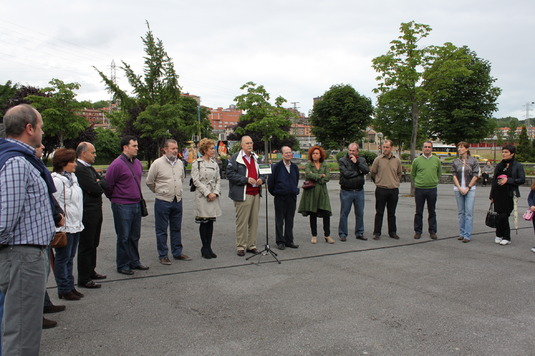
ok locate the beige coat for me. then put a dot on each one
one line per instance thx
(165, 179)
(206, 179)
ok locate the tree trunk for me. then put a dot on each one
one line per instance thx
(415, 113)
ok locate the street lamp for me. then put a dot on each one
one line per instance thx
(380, 135)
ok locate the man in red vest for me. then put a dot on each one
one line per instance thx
(245, 189)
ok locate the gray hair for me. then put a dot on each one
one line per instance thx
(17, 118)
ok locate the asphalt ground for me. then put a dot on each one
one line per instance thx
(386, 297)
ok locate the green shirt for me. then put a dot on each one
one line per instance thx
(425, 172)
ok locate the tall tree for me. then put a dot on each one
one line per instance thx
(524, 146)
(156, 109)
(406, 66)
(393, 118)
(461, 108)
(263, 118)
(60, 110)
(341, 116)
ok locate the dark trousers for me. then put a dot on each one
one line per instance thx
(284, 218)
(89, 241)
(503, 229)
(206, 230)
(385, 198)
(421, 196)
(314, 224)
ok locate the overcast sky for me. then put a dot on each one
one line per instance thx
(295, 48)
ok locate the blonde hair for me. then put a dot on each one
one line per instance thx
(205, 144)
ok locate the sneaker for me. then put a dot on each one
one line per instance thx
(533, 249)
(498, 240)
(505, 242)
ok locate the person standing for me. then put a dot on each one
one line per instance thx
(425, 173)
(283, 185)
(92, 185)
(207, 181)
(504, 193)
(352, 171)
(488, 169)
(69, 196)
(124, 191)
(315, 201)
(386, 174)
(165, 178)
(26, 229)
(465, 171)
(245, 183)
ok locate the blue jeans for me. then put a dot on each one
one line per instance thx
(350, 198)
(127, 220)
(168, 215)
(63, 264)
(420, 197)
(465, 210)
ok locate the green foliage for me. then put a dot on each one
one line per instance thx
(60, 111)
(156, 111)
(7, 92)
(393, 117)
(263, 118)
(405, 156)
(460, 109)
(523, 150)
(107, 145)
(340, 117)
(369, 156)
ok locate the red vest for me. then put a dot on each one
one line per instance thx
(251, 173)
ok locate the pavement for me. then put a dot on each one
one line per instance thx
(385, 297)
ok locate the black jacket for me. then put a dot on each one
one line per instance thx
(352, 174)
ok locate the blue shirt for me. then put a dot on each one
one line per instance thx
(25, 210)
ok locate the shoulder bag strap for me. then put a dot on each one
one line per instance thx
(135, 178)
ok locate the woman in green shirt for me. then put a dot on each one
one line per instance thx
(315, 201)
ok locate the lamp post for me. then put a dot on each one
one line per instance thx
(380, 135)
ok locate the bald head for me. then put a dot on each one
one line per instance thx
(86, 152)
(24, 123)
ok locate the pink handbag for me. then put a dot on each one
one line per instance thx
(528, 215)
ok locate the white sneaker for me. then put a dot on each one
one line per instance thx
(505, 242)
(533, 249)
(498, 240)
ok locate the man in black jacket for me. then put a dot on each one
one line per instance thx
(352, 171)
(93, 186)
(283, 185)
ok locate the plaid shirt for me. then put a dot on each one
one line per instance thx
(25, 210)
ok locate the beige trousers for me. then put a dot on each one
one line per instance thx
(247, 222)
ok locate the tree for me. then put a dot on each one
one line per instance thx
(524, 146)
(406, 67)
(156, 109)
(107, 144)
(60, 111)
(341, 117)
(393, 118)
(262, 118)
(461, 108)
(7, 92)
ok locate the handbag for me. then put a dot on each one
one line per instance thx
(490, 220)
(60, 238)
(144, 211)
(528, 215)
(309, 184)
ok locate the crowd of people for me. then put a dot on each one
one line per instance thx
(35, 204)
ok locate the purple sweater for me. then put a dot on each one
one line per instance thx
(122, 187)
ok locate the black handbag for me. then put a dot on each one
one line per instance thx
(490, 220)
(192, 186)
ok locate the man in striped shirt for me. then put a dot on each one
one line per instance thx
(26, 228)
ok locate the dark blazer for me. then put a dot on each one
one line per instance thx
(92, 185)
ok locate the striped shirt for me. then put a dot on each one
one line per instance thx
(25, 210)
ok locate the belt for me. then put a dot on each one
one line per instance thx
(24, 245)
(352, 190)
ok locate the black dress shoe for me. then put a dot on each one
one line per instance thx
(47, 323)
(53, 309)
(90, 285)
(77, 293)
(141, 267)
(240, 253)
(128, 272)
(394, 236)
(206, 255)
(68, 296)
(281, 246)
(253, 250)
(292, 245)
(98, 276)
(213, 254)
(361, 237)
(376, 236)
